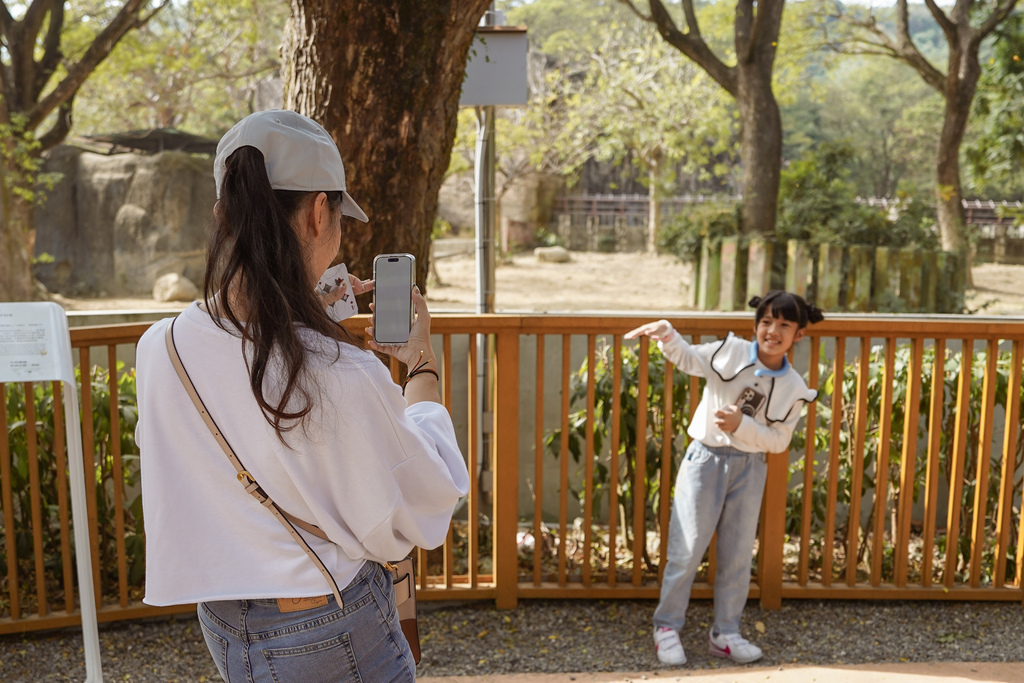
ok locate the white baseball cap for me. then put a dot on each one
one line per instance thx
(298, 152)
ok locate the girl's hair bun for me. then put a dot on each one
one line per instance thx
(814, 314)
(754, 302)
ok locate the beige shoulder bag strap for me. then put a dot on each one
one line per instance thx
(250, 484)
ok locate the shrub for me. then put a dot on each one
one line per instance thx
(685, 232)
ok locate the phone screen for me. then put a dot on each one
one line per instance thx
(392, 297)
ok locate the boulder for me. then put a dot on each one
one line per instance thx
(552, 254)
(113, 224)
(174, 287)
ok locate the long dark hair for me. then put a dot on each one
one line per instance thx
(783, 304)
(255, 252)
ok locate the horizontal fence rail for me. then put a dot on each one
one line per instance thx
(903, 481)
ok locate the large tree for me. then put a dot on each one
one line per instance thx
(384, 78)
(965, 25)
(749, 81)
(39, 79)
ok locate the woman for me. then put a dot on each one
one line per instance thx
(314, 419)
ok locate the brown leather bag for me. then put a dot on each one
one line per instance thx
(403, 575)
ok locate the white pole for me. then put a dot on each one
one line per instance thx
(83, 552)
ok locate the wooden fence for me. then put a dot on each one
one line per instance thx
(903, 481)
(856, 278)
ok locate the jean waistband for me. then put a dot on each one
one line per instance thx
(722, 451)
(368, 569)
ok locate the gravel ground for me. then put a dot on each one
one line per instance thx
(572, 636)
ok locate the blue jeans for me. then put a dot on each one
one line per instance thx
(716, 489)
(252, 641)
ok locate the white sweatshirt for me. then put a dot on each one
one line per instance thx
(377, 475)
(731, 368)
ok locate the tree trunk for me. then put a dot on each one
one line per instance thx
(760, 149)
(384, 79)
(961, 83)
(16, 215)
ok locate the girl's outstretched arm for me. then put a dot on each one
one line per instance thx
(660, 330)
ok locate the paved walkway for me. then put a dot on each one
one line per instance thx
(938, 672)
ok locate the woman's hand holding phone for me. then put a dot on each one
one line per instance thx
(418, 349)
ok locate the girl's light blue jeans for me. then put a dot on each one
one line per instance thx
(252, 641)
(716, 489)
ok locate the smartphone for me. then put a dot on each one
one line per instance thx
(393, 277)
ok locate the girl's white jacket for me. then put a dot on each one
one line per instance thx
(377, 475)
(730, 366)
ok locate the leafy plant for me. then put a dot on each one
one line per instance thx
(870, 483)
(685, 232)
(656, 417)
(42, 398)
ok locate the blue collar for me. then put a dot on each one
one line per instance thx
(766, 372)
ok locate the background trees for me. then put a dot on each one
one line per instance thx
(964, 26)
(41, 71)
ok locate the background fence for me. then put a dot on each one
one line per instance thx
(903, 482)
(620, 222)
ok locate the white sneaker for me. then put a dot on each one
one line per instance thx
(668, 647)
(733, 646)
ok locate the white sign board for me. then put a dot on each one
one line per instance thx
(496, 68)
(28, 344)
(35, 346)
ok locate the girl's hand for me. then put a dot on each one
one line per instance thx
(660, 330)
(728, 418)
(418, 351)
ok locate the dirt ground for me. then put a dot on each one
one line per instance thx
(595, 282)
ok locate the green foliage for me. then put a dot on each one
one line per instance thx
(628, 495)
(817, 203)
(103, 473)
(894, 437)
(196, 66)
(995, 154)
(20, 164)
(685, 232)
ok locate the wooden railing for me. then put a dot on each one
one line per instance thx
(546, 520)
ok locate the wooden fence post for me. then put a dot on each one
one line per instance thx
(733, 269)
(830, 276)
(769, 577)
(710, 275)
(506, 468)
(930, 282)
(759, 267)
(858, 283)
(910, 277)
(799, 267)
(690, 283)
(886, 287)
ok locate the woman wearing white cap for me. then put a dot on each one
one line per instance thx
(314, 419)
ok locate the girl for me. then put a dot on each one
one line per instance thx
(752, 401)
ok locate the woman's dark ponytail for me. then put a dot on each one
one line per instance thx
(255, 254)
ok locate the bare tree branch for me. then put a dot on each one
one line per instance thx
(693, 46)
(126, 19)
(6, 20)
(636, 10)
(61, 127)
(901, 47)
(999, 14)
(51, 50)
(944, 22)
